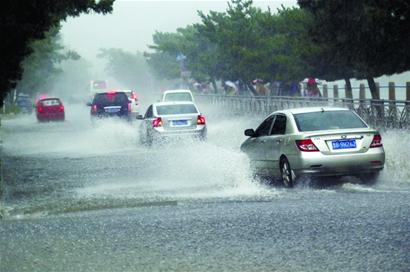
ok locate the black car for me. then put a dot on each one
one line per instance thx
(110, 104)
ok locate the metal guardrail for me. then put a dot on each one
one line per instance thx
(378, 113)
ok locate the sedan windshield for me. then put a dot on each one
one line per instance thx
(328, 120)
(176, 109)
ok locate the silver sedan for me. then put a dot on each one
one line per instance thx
(164, 120)
(314, 142)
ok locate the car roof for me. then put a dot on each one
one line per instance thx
(112, 91)
(173, 103)
(178, 91)
(310, 109)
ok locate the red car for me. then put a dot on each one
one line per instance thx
(50, 109)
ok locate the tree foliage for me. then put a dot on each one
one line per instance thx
(130, 69)
(333, 40)
(365, 39)
(41, 67)
(22, 22)
(242, 43)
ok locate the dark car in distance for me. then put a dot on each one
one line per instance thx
(110, 104)
(24, 103)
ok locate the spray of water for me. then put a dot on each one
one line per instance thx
(188, 170)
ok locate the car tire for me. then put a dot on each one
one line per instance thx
(286, 173)
(369, 178)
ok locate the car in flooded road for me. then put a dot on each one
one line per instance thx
(164, 120)
(50, 109)
(177, 95)
(24, 103)
(110, 104)
(135, 106)
(314, 142)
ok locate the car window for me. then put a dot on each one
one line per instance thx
(110, 99)
(50, 102)
(149, 113)
(264, 127)
(176, 109)
(326, 120)
(279, 126)
(178, 97)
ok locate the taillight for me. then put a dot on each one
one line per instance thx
(61, 107)
(306, 145)
(200, 120)
(94, 108)
(129, 107)
(40, 109)
(157, 122)
(377, 141)
(134, 96)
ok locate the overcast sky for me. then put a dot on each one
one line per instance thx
(133, 22)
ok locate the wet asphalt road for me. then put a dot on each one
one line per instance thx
(83, 198)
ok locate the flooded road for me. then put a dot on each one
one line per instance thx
(80, 197)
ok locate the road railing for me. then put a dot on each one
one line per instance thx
(379, 113)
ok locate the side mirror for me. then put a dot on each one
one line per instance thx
(89, 104)
(139, 117)
(250, 132)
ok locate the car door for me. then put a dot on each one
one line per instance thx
(256, 145)
(273, 145)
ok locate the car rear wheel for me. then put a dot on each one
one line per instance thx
(286, 173)
(369, 178)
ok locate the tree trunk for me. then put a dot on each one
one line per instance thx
(373, 88)
(376, 105)
(349, 93)
(214, 85)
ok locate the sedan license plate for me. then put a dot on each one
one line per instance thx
(179, 122)
(344, 144)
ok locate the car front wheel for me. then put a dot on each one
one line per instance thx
(286, 173)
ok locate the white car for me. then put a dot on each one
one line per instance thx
(165, 120)
(177, 95)
(135, 106)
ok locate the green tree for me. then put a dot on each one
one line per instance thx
(21, 22)
(199, 52)
(130, 69)
(251, 43)
(242, 41)
(162, 61)
(291, 47)
(41, 67)
(367, 38)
